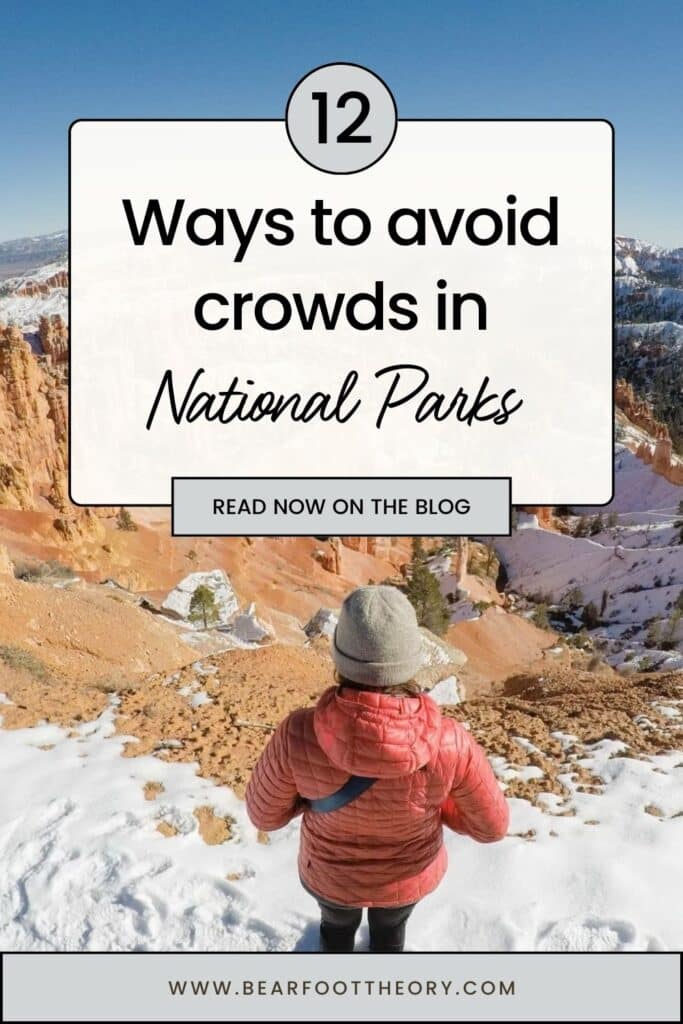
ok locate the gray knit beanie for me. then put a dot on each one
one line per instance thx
(377, 640)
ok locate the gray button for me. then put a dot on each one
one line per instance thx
(341, 118)
(242, 506)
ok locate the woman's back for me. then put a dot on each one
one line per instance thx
(385, 847)
(380, 847)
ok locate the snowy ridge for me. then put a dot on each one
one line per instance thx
(18, 254)
(664, 331)
(632, 571)
(25, 311)
(649, 335)
(638, 259)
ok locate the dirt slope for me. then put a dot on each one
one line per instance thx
(639, 711)
(281, 574)
(497, 644)
(61, 648)
(219, 712)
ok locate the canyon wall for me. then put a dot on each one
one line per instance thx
(33, 426)
(54, 338)
(659, 454)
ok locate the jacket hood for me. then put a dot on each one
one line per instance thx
(377, 734)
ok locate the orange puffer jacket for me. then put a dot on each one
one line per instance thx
(385, 848)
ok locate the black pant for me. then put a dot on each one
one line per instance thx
(338, 926)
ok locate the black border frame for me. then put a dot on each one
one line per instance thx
(408, 120)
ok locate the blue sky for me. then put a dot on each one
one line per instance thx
(619, 60)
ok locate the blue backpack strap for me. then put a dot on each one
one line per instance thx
(352, 788)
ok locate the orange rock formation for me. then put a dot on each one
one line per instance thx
(661, 458)
(660, 455)
(54, 338)
(379, 547)
(33, 288)
(32, 426)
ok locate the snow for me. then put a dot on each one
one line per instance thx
(82, 866)
(323, 623)
(635, 567)
(552, 563)
(177, 603)
(667, 300)
(26, 310)
(197, 699)
(19, 254)
(627, 265)
(667, 710)
(446, 692)
(639, 489)
(204, 670)
(440, 565)
(437, 652)
(662, 331)
(248, 629)
(638, 259)
(527, 521)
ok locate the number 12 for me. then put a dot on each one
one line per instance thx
(347, 135)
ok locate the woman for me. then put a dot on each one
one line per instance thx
(376, 771)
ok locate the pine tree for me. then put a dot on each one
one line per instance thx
(672, 630)
(572, 599)
(203, 606)
(539, 616)
(596, 525)
(653, 634)
(125, 521)
(581, 527)
(490, 555)
(423, 592)
(590, 616)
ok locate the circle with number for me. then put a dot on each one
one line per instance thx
(341, 118)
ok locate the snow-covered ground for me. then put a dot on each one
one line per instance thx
(639, 259)
(665, 331)
(634, 568)
(25, 311)
(461, 607)
(83, 867)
